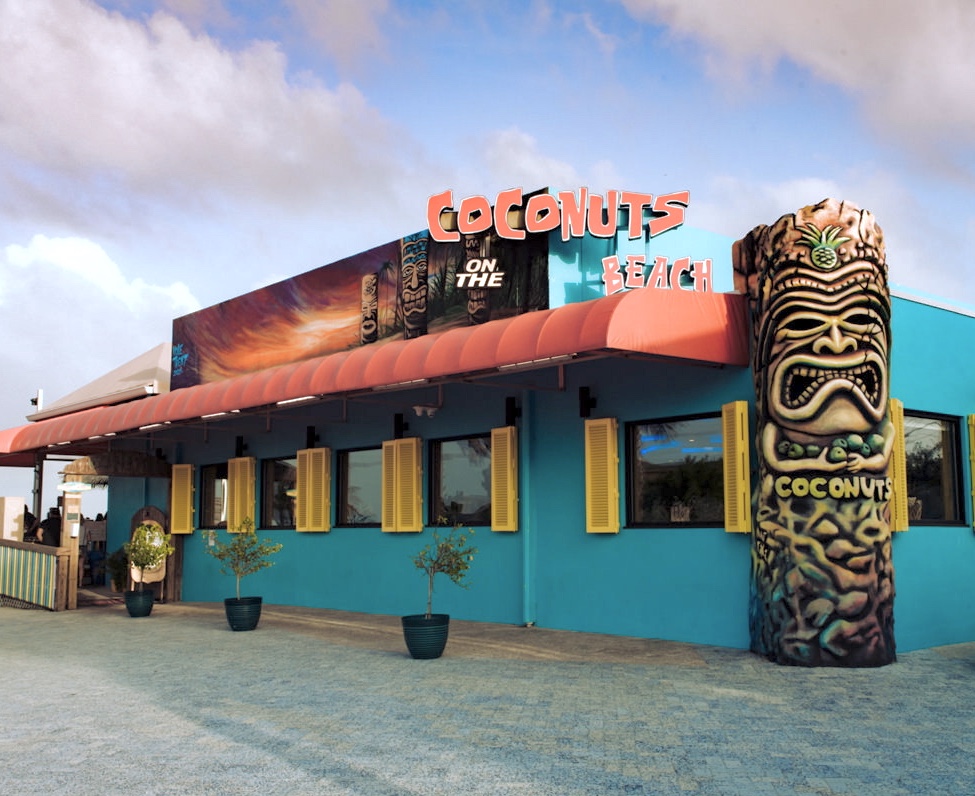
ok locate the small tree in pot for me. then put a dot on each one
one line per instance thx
(426, 634)
(243, 555)
(146, 550)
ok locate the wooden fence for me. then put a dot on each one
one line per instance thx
(34, 575)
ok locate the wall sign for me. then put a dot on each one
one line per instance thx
(512, 216)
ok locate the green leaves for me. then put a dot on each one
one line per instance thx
(148, 548)
(451, 555)
(244, 554)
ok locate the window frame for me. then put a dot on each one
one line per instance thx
(266, 507)
(342, 486)
(631, 459)
(436, 514)
(953, 468)
(208, 494)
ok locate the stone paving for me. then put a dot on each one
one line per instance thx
(319, 702)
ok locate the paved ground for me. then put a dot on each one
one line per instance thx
(320, 702)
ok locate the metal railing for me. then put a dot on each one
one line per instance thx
(34, 575)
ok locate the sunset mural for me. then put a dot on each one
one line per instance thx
(322, 311)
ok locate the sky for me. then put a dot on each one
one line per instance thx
(161, 156)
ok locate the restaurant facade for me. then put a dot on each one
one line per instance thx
(629, 413)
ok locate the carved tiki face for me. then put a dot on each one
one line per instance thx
(369, 322)
(414, 285)
(823, 326)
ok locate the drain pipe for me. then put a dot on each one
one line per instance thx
(527, 516)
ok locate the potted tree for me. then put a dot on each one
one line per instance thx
(243, 555)
(146, 550)
(426, 634)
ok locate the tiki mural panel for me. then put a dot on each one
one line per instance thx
(402, 289)
(822, 576)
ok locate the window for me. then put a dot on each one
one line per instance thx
(931, 449)
(213, 496)
(278, 485)
(675, 472)
(360, 487)
(460, 481)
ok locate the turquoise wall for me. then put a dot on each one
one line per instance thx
(934, 566)
(125, 497)
(686, 584)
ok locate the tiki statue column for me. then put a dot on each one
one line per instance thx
(822, 576)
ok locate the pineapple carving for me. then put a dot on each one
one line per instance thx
(823, 244)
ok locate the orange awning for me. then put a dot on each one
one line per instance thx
(707, 328)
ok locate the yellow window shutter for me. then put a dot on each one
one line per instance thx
(241, 475)
(402, 485)
(181, 499)
(388, 519)
(602, 476)
(312, 505)
(737, 467)
(504, 479)
(898, 468)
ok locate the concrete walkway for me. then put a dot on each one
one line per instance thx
(323, 702)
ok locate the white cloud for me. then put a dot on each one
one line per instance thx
(68, 314)
(514, 159)
(55, 259)
(153, 107)
(910, 65)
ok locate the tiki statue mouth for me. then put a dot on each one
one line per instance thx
(802, 382)
(804, 386)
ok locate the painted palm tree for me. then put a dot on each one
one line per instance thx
(387, 274)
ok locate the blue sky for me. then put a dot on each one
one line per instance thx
(157, 157)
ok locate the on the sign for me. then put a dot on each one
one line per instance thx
(480, 273)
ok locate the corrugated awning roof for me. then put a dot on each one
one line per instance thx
(708, 328)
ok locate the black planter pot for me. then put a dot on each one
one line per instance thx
(243, 613)
(139, 603)
(426, 637)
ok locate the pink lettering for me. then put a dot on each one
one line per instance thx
(543, 213)
(634, 269)
(681, 265)
(669, 208)
(635, 202)
(611, 274)
(435, 206)
(573, 215)
(658, 277)
(603, 225)
(506, 201)
(702, 274)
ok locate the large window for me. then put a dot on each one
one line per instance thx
(278, 480)
(213, 496)
(460, 481)
(674, 472)
(359, 495)
(931, 448)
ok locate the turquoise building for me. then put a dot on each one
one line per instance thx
(571, 416)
